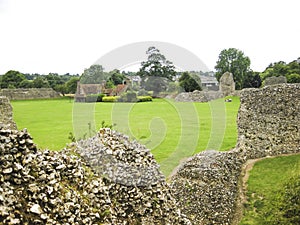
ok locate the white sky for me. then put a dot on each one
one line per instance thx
(67, 36)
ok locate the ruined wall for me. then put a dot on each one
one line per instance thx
(275, 80)
(30, 93)
(269, 120)
(206, 186)
(106, 179)
(198, 96)
(6, 114)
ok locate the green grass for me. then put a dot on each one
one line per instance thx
(170, 129)
(266, 180)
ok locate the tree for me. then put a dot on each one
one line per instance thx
(189, 83)
(156, 72)
(94, 75)
(26, 84)
(54, 79)
(252, 80)
(40, 82)
(71, 85)
(291, 71)
(12, 79)
(293, 78)
(61, 88)
(234, 61)
(156, 65)
(116, 77)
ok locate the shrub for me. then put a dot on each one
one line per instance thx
(94, 98)
(142, 92)
(128, 97)
(290, 201)
(144, 98)
(110, 99)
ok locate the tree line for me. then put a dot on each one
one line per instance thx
(158, 74)
(62, 83)
(236, 62)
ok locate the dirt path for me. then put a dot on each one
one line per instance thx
(242, 198)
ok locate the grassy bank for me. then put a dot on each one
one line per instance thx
(266, 181)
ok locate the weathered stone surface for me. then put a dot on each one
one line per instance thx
(134, 180)
(49, 187)
(198, 96)
(227, 84)
(206, 186)
(269, 120)
(30, 93)
(35, 192)
(6, 114)
(275, 80)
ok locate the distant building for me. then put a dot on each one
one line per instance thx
(83, 90)
(209, 83)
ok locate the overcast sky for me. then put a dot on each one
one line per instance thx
(67, 36)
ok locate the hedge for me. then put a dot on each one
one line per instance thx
(110, 99)
(144, 98)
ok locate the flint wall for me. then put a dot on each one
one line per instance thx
(30, 93)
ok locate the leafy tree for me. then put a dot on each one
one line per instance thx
(61, 88)
(26, 84)
(12, 79)
(116, 77)
(94, 75)
(156, 65)
(156, 72)
(71, 85)
(40, 82)
(293, 78)
(252, 80)
(189, 83)
(155, 84)
(109, 84)
(291, 71)
(54, 79)
(234, 61)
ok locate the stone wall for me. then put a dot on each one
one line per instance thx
(30, 93)
(206, 186)
(269, 120)
(106, 179)
(198, 96)
(275, 80)
(6, 114)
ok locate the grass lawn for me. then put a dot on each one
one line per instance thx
(266, 180)
(170, 129)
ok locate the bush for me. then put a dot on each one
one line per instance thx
(290, 201)
(94, 98)
(142, 92)
(128, 97)
(286, 208)
(144, 98)
(110, 99)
